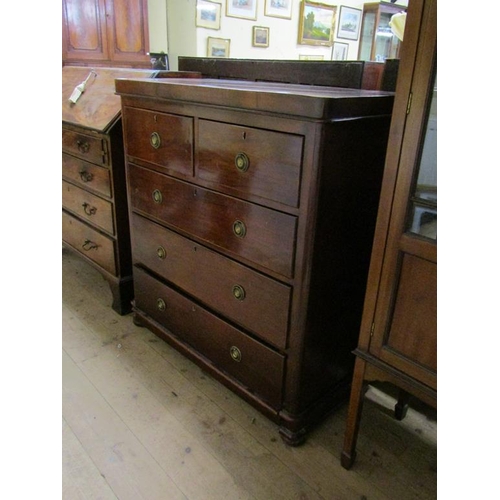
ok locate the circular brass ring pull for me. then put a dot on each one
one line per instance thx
(238, 292)
(83, 147)
(89, 209)
(242, 162)
(85, 176)
(235, 354)
(160, 304)
(239, 229)
(157, 196)
(161, 252)
(155, 140)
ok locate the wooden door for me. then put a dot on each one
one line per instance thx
(404, 327)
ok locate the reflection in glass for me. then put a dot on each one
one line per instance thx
(423, 217)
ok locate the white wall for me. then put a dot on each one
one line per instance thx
(185, 39)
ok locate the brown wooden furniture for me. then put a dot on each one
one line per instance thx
(252, 215)
(105, 33)
(95, 213)
(398, 332)
(377, 42)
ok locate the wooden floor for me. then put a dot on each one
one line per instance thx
(139, 421)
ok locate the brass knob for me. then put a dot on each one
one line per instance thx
(89, 209)
(235, 354)
(155, 140)
(239, 229)
(83, 146)
(85, 176)
(161, 252)
(242, 162)
(160, 304)
(238, 292)
(157, 196)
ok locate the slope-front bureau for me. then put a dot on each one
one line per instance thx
(252, 209)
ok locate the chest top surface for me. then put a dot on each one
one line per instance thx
(304, 101)
(98, 106)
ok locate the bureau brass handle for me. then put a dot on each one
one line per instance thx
(161, 252)
(155, 140)
(89, 245)
(235, 354)
(86, 176)
(83, 147)
(89, 209)
(242, 162)
(239, 292)
(157, 196)
(160, 304)
(239, 229)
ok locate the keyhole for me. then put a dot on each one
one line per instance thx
(244, 135)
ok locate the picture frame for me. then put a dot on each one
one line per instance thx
(307, 57)
(218, 47)
(340, 51)
(208, 14)
(316, 23)
(243, 9)
(260, 36)
(278, 8)
(349, 23)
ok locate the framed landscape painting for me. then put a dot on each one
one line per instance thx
(218, 47)
(278, 8)
(260, 36)
(316, 23)
(349, 23)
(244, 9)
(208, 14)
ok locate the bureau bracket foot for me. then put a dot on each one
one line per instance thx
(293, 438)
(123, 293)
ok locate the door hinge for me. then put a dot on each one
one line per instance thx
(372, 329)
(408, 104)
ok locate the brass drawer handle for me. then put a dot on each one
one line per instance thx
(157, 196)
(235, 354)
(239, 229)
(85, 176)
(89, 209)
(155, 140)
(82, 146)
(242, 162)
(160, 304)
(239, 292)
(89, 245)
(161, 252)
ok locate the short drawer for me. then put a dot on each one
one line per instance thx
(252, 232)
(89, 147)
(254, 365)
(163, 139)
(97, 211)
(89, 242)
(248, 161)
(254, 301)
(88, 175)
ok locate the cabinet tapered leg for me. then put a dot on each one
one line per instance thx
(354, 415)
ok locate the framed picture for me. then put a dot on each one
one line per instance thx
(218, 47)
(316, 23)
(278, 8)
(306, 57)
(208, 14)
(340, 51)
(349, 23)
(260, 36)
(244, 9)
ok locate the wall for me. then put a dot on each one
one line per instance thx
(184, 38)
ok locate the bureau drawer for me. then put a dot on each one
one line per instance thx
(88, 147)
(254, 301)
(89, 242)
(163, 139)
(86, 174)
(249, 161)
(256, 366)
(258, 234)
(97, 211)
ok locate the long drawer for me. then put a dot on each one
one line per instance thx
(89, 242)
(254, 301)
(89, 147)
(247, 230)
(254, 365)
(246, 160)
(88, 206)
(87, 175)
(163, 139)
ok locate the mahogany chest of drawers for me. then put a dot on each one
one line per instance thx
(252, 211)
